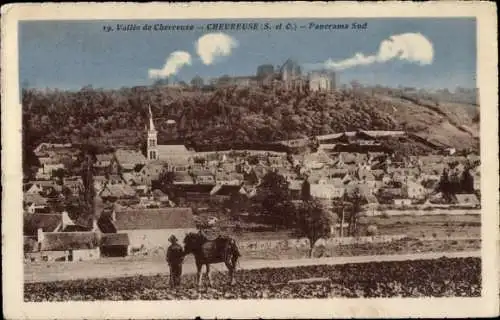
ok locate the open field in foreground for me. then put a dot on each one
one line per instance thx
(132, 265)
(442, 277)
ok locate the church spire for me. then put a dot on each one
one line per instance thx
(151, 123)
(152, 152)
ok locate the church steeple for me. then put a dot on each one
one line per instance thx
(152, 150)
(151, 123)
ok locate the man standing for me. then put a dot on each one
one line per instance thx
(175, 257)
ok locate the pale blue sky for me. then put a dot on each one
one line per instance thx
(70, 55)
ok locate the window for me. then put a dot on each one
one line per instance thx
(152, 142)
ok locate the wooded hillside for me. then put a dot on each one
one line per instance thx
(233, 115)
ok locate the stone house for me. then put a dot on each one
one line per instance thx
(149, 229)
(59, 238)
(69, 246)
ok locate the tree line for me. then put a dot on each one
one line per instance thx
(228, 115)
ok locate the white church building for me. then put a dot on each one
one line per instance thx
(172, 154)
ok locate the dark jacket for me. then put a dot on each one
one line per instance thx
(175, 254)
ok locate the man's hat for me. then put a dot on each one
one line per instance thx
(172, 238)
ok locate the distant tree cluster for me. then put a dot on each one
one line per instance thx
(453, 182)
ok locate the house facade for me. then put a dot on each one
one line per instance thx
(149, 229)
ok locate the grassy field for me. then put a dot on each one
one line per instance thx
(438, 226)
(427, 226)
(396, 247)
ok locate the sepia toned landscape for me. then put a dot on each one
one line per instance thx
(328, 186)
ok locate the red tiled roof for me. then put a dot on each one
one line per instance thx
(163, 218)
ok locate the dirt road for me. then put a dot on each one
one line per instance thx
(111, 268)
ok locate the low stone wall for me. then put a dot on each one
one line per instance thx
(258, 245)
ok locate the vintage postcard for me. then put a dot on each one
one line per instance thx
(237, 160)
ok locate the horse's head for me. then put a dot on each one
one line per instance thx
(192, 242)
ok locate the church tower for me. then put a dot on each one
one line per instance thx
(152, 149)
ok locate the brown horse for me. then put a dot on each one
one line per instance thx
(206, 252)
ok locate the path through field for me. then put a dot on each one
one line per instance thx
(112, 268)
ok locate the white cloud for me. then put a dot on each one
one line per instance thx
(359, 59)
(213, 45)
(412, 47)
(173, 64)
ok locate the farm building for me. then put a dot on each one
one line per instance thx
(69, 246)
(62, 246)
(114, 244)
(149, 228)
(56, 237)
